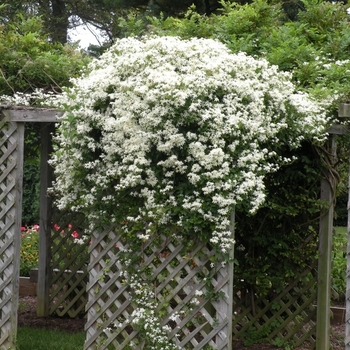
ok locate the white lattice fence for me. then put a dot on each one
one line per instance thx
(191, 294)
(11, 162)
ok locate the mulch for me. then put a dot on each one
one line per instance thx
(27, 317)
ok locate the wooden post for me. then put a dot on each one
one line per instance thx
(45, 222)
(344, 112)
(231, 267)
(225, 305)
(324, 257)
(11, 173)
(347, 293)
(18, 224)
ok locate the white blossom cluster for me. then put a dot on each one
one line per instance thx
(38, 98)
(177, 131)
(146, 319)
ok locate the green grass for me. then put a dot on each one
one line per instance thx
(44, 339)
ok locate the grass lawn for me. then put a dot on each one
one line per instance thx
(44, 339)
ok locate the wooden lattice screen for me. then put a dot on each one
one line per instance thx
(11, 164)
(181, 281)
(68, 266)
(285, 318)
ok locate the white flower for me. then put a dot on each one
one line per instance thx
(176, 130)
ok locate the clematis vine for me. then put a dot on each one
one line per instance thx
(161, 132)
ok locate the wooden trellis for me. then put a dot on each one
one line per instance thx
(11, 164)
(203, 319)
(108, 296)
(288, 317)
(68, 266)
(61, 276)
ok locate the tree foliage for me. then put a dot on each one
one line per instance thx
(28, 61)
(60, 15)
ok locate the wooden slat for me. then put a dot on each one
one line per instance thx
(339, 129)
(31, 115)
(344, 110)
(42, 306)
(328, 185)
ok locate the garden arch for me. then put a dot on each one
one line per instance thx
(217, 327)
(100, 298)
(12, 124)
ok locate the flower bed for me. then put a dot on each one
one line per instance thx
(29, 255)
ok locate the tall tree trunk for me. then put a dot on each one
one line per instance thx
(59, 21)
(55, 16)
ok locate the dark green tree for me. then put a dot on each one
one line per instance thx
(60, 15)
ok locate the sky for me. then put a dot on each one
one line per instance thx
(86, 34)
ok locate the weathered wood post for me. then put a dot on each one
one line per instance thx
(224, 307)
(344, 112)
(11, 182)
(324, 261)
(45, 222)
(328, 185)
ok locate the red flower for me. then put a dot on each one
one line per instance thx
(23, 228)
(56, 227)
(36, 227)
(75, 234)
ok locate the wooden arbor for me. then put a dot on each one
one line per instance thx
(216, 327)
(102, 305)
(11, 164)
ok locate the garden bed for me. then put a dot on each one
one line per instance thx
(27, 286)
(27, 317)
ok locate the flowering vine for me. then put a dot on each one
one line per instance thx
(164, 131)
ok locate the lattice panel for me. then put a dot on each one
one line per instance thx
(285, 317)
(185, 285)
(11, 156)
(69, 259)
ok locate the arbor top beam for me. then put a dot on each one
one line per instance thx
(30, 114)
(344, 110)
